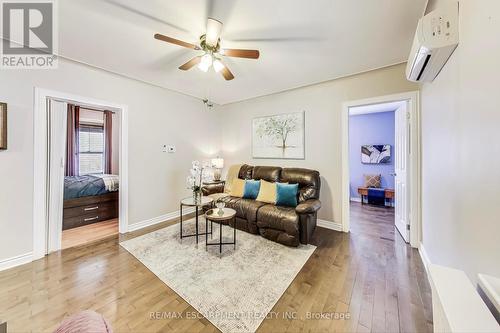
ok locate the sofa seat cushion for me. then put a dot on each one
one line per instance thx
(279, 218)
(245, 208)
(217, 196)
(279, 236)
(229, 200)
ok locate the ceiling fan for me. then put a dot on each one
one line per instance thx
(210, 45)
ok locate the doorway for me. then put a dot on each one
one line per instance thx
(381, 154)
(372, 173)
(62, 205)
(91, 172)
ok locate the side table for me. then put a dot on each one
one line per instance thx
(220, 215)
(190, 202)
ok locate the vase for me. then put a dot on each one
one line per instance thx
(197, 196)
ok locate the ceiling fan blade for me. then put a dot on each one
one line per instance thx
(227, 73)
(176, 42)
(250, 54)
(191, 63)
(214, 29)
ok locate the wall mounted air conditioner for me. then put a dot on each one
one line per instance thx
(435, 40)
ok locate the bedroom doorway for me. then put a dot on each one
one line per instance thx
(80, 171)
(91, 174)
(372, 157)
(380, 183)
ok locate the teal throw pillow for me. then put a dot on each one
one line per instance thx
(286, 194)
(252, 188)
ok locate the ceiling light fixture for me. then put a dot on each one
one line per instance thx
(218, 65)
(208, 104)
(211, 45)
(202, 67)
(206, 62)
(214, 29)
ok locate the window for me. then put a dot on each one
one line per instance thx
(91, 149)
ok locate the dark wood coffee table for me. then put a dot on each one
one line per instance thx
(220, 215)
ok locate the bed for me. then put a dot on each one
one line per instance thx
(89, 199)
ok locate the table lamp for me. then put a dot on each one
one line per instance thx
(217, 164)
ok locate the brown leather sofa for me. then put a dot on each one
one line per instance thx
(286, 225)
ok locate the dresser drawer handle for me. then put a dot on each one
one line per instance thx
(91, 208)
(91, 219)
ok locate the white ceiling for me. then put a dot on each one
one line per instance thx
(301, 42)
(375, 108)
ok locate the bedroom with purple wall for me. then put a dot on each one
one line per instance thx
(370, 129)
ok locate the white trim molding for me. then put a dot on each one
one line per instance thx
(329, 225)
(413, 99)
(159, 219)
(354, 199)
(40, 178)
(425, 257)
(16, 261)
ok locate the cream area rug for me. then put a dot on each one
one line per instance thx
(235, 290)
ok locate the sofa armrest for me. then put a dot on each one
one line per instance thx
(308, 207)
(212, 188)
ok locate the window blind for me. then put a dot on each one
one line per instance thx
(91, 149)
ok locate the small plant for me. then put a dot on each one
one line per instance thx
(197, 175)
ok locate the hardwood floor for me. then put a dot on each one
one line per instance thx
(369, 275)
(89, 233)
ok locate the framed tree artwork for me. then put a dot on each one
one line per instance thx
(279, 136)
(3, 126)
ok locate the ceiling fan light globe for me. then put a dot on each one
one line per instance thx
(214, 29)
(207, 60)
(218, 66)
(203, 67)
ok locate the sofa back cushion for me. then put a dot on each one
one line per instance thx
(245, 172)
(268, 173)
(308, 180)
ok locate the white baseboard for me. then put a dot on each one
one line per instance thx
(16, 261)
(330, 225)
(356, 199)
(425, 257)
(159, 219)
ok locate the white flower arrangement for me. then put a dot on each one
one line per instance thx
(197, 175)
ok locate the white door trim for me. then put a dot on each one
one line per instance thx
(413, 99)
(40, 204)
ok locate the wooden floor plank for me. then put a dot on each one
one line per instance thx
(89, 233)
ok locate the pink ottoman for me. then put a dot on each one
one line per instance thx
(84, 322)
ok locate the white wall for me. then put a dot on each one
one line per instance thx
(157, 116)
(461, 150)
(322, 104)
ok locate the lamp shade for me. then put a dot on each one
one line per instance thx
(218, 65)
(218, 163)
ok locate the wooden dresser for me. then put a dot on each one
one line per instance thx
(87, 210)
